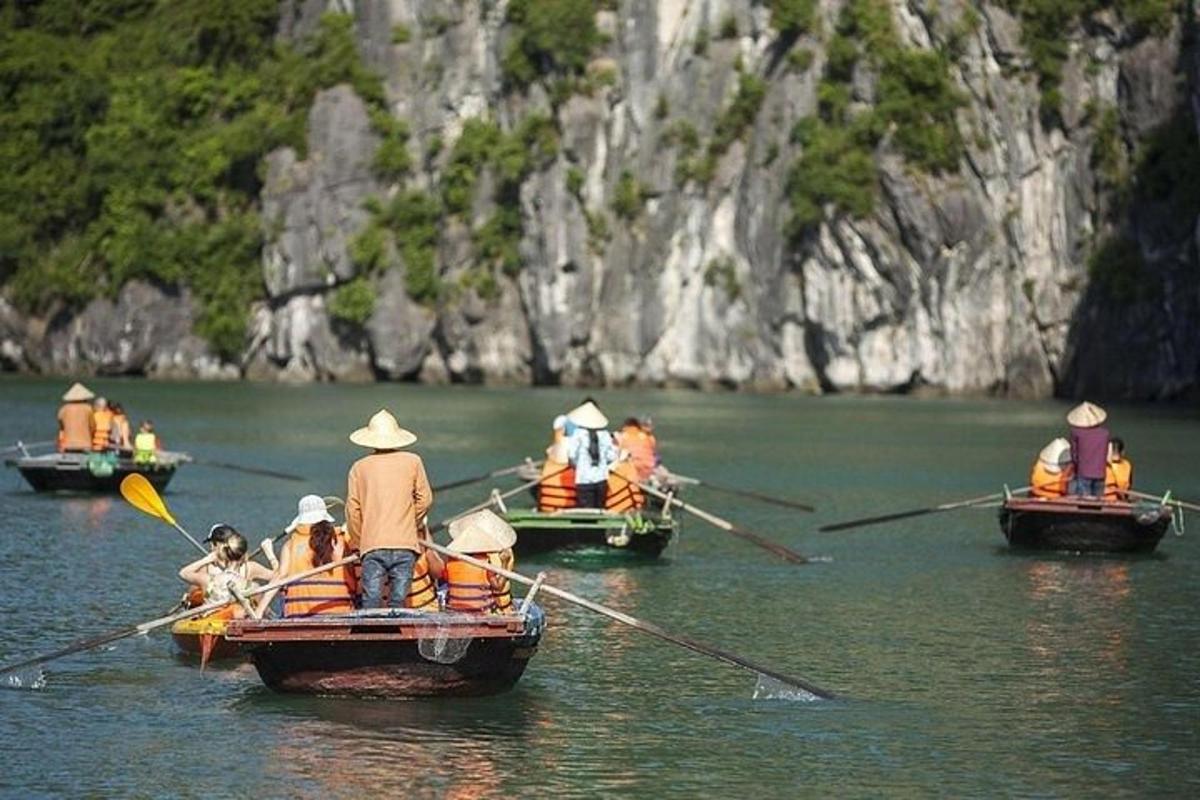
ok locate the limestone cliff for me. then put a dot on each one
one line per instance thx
(1051, 258)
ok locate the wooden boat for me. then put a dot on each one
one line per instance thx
(396, 653)
(644, 533)
(1084, 524)
(92, 472)
(205, 637)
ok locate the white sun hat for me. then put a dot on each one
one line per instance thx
(310, 510)
(560, 422)
(78, 393)
(1056, 455)
(588, 416)
(481, 532)
(383, 433)
(1086, 415)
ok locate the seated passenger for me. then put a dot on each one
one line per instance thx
(225, 572)
(119, 435)
(636, 437)
(422, 590)
(1052, 470)
(485, 537)
(314, 541)
(624, 493)
(1118, 477)
(102, 424)
(556, 490)
(145, 444)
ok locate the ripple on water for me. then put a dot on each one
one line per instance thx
(33, 678)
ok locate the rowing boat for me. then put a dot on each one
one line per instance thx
(395, 653)
(92, 472)
(1083, 524)
(644, 533)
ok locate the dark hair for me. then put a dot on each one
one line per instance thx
(116, 407)
(235, 546)
(220, 534)
(594, 446)
(1118, 444)
(320, 539)
(631, 421)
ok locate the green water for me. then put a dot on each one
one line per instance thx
(965, 670)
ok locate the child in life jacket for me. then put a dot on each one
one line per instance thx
(225, 572)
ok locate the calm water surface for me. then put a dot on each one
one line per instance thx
(966, 670)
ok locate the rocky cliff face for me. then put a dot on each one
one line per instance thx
(988, 278)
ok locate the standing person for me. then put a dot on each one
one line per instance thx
(102, 423)
(387, 497)
(1089, 449)
(591, 451)
(75, 420)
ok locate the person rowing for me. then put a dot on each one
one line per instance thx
(387, 495)
(75, 426)
(1089, 449)
(592, 452)
(313, 541)
(225, 572)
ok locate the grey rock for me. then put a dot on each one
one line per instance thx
(400, 331)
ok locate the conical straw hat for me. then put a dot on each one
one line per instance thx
(1086, 415)
(383, 433)
(1056, 455)
(588, 416)
(78, 393)
(481, 532)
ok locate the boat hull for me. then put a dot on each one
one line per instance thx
(579, 529)
(205, 638)
(1083, 525)
(383, 656)
(70, 472)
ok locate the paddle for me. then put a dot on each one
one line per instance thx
(637, 624)
(786, 553)
(916, 512)
(146, 627)
(496, 473)
(270, 473)
(766, 498)
(141, 495)
(1164, 500)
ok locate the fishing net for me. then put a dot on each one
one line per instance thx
(438, 646)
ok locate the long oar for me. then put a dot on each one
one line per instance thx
(1165, 500)
(637, 624)
(916, 512)
(765, 498)
(496, 473)
(786, 553)
(270, 473)
(146, 627)
(142, 495)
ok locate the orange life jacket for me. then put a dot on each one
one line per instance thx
(557, 492)
(103, 420)
(422, 592)
(324, 593)
(1118, 479)
(1044, 483)
(642, 448)
(470, 590)
(623, 492)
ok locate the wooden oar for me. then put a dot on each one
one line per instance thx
(786, 553)
(270, 473)
(1167, 501)
(638, 624)
(146, 627)
(142, 495)
(765, 498)
(496, 473)
(916, 512)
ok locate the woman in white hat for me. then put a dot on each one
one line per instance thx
(387, 498)
(314, 541)
(592, 451)
(472, 589)
(1052, 470)
(1089, 449)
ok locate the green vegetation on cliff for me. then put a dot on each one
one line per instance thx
(132, 140)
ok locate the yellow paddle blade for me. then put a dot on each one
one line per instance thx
(143, 496)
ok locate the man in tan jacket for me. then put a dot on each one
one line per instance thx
(387, 498)
(75, 424)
